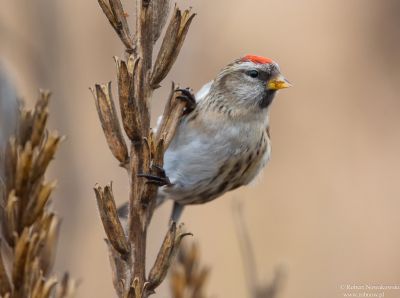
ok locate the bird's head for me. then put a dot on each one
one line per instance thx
(248, 84)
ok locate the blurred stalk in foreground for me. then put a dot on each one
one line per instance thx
(188, 276)
(256, 289)
(28, 228)
(137, 78)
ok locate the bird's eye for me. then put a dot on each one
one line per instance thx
(253, 73)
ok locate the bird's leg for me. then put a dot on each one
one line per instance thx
(176, 212)
(188, 97)
(161, 179)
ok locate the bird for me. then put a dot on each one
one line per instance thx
(224, 141)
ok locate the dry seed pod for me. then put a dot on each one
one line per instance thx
(160, 16)
(109, 217)
(117, 18)
(173, 112)
(166, 254)
(127, 101)
(171, 45)
(109, 122)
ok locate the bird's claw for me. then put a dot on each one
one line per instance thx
(160, 180)
(188, 97)
(153, 179)
(160, 169)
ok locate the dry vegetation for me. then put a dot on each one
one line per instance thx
(137, 78)
(255, 288)
(188, 275)
(29, 229)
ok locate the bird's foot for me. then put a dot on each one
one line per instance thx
(159, 179)
(188, 97)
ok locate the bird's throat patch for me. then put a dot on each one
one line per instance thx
(267, 98)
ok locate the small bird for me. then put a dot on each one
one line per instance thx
(224, 141)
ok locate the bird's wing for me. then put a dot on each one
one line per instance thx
(202, 93)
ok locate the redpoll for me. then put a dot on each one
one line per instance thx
(224, 142)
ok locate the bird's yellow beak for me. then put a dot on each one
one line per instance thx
(277, 83)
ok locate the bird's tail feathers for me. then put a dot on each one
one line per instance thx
(123, 210)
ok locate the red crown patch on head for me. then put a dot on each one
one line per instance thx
(257, 59)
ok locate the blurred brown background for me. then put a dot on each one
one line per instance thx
(327, 207)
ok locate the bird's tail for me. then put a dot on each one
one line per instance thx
(123, 210)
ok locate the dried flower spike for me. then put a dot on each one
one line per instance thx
(29, 229)
(145, 153)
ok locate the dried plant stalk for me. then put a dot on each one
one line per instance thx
(188, 276)
(29, 229)
(137, 79)
(255, 288)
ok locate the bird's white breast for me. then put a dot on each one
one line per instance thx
(212, 153)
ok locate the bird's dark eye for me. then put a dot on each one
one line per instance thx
(253, 73)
